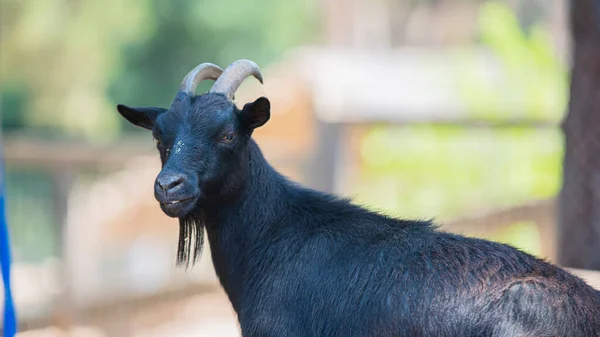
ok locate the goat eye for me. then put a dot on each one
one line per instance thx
(228, 137)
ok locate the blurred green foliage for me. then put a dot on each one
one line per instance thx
(524, 235)
(30, 207)
(65, 64)
(446, 171)
(450, 171)
(532, 77)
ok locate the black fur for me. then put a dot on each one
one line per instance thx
(298, 262)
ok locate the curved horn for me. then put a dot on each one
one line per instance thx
(234, 75)
(202, 72)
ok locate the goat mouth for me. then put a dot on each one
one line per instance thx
(176, 201)
(173, 202)
(178, 208)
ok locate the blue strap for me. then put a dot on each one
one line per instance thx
(10, 321)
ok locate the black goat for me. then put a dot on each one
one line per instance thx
(297, 262)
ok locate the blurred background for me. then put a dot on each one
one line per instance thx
(445, 109)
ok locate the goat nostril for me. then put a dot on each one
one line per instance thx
(175, 182)
(169, 182)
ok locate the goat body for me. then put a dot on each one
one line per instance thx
(297, 262)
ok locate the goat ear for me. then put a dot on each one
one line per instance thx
(257, 113)
(143, 117)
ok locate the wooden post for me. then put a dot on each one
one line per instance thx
(579, 206)
(64, 312)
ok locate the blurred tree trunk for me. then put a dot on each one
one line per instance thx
(579, 204)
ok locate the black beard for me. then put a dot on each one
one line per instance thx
(191, 228)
